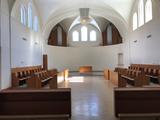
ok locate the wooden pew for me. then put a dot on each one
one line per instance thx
(137, 102)
(40, 79)
(152, 72)
(135, 78)
(33, 103)
(20, 75)
(114, 76)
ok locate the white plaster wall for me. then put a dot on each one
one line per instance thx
(26, 52)
(146, 50)
(26, 44)
(86, 43)
(74, 57)
(5, 46)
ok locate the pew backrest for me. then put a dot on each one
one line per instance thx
(136, 100)
(35, 102)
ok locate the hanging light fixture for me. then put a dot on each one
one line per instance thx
(84, 16)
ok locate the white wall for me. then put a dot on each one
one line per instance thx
(74, 57)
(26, 46)
(5, 46)
(146, 50)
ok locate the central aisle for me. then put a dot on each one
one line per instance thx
(92, 98)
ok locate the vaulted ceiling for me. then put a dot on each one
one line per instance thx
(49, 7)
(54, 11)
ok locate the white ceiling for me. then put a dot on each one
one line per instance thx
(54, 11)
(102, 22)
(48, 7)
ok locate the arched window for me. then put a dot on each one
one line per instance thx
(141, 13)
(84, 33)
(23, 15)
(29, 15)
(148, 11)
(36, 24)
(75, 36)
(135, 23)
(93, 35)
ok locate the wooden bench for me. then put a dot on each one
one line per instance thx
(137, 102)
(21, 74)
(152, 72)
(34, 104)
(135, 78)
(40, 79)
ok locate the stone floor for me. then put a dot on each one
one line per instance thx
(92, 98)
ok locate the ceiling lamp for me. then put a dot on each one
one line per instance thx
(84, 15)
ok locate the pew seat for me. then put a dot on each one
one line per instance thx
(134, 77)
(40, 79)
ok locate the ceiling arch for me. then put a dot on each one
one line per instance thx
(52, 12)
(110, 15)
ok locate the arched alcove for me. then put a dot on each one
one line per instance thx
(97, 25)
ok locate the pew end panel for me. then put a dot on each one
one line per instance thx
(106, 74)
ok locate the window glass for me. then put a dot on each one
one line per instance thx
(84, 33)
(141, 13)
(75, 36)
(135, 24)
(29, 16)
(36, 24)
(23, 15)
(148, 11)
(93, 35)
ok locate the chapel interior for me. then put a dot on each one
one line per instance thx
(79, 60)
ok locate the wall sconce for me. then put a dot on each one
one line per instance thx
(36, 43)
(23, 38)
(135, 41)
(149, 36)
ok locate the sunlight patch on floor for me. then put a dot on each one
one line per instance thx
(76, 79)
